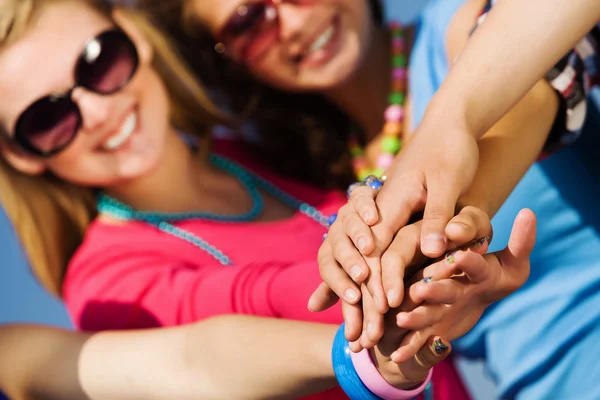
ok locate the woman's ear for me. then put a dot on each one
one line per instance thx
(21, 161)
(126, 20)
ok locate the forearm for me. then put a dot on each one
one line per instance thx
(40, 362)
(510, 147)
(233, 357)
(515, 46)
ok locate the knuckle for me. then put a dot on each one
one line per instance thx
(435, 213)
(324, 255)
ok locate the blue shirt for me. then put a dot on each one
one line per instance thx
(542, 341)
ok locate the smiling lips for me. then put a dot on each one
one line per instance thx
(120, 137)
(322, 48)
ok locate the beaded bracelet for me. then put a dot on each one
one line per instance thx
(360, 379)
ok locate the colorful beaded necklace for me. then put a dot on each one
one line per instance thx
(252, 182)
(391, 142)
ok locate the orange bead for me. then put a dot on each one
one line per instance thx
(398, 85)
(392, 129)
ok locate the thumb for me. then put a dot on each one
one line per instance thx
(439, 210)
(514, 259)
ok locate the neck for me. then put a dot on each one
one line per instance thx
(362, 97)
(159, 190)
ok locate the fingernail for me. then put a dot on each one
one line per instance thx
(401, 317)
(351, 295)
(479, 242)
(361, 243)
(434, 243)
(439, 347)
(369, 328)
(392, 295)
(367, 217)
(427, 279)
(355, 272)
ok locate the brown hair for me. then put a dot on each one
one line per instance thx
(303, 136)
(50, 215)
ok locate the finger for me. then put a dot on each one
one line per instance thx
(473, 265)
(470, 224)
(421, 317)
(374, 285)
(394, 262)
(322, 298)
(359, 232)
(353, 318)
(430, 352)
(345, 254)
(399, 198)
(373, 321)
(363, 200)
(433, 351)
(442, 269)
(439, 209)
(515, 258)
(445, 291)
(335, 277)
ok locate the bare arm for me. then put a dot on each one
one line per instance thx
(232, 357)
(510, 147)
(223, 357)
(518, 43)
(506, 56)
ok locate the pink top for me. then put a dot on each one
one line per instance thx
(133, 276)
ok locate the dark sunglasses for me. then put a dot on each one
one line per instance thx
(106, 65)
(251, 29)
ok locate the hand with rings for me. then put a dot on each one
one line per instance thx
(350, 273)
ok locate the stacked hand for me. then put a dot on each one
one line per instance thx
(446, 298)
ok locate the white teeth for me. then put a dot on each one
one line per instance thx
(322, 40)
(126, 130)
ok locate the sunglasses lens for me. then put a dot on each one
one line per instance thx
(48, 125)
(248, 21)
(107, 63)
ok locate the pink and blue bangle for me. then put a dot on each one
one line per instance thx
(372, 379)
(344, 370)
(360, 379)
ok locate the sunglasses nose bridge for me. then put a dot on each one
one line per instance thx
(94, 108)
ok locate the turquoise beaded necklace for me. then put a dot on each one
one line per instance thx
(252, 182)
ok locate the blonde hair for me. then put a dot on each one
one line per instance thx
(51, 216)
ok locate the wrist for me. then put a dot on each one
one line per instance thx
(395, 375)
(359, 377)
(442, 119)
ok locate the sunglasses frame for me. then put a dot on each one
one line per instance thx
(20, 138)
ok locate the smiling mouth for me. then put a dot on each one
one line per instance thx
(125, 131)
(323, 47)
(322, 40)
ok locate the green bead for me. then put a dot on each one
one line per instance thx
(390, 144)
(396, 98)
(399, 61)
(378, 172)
